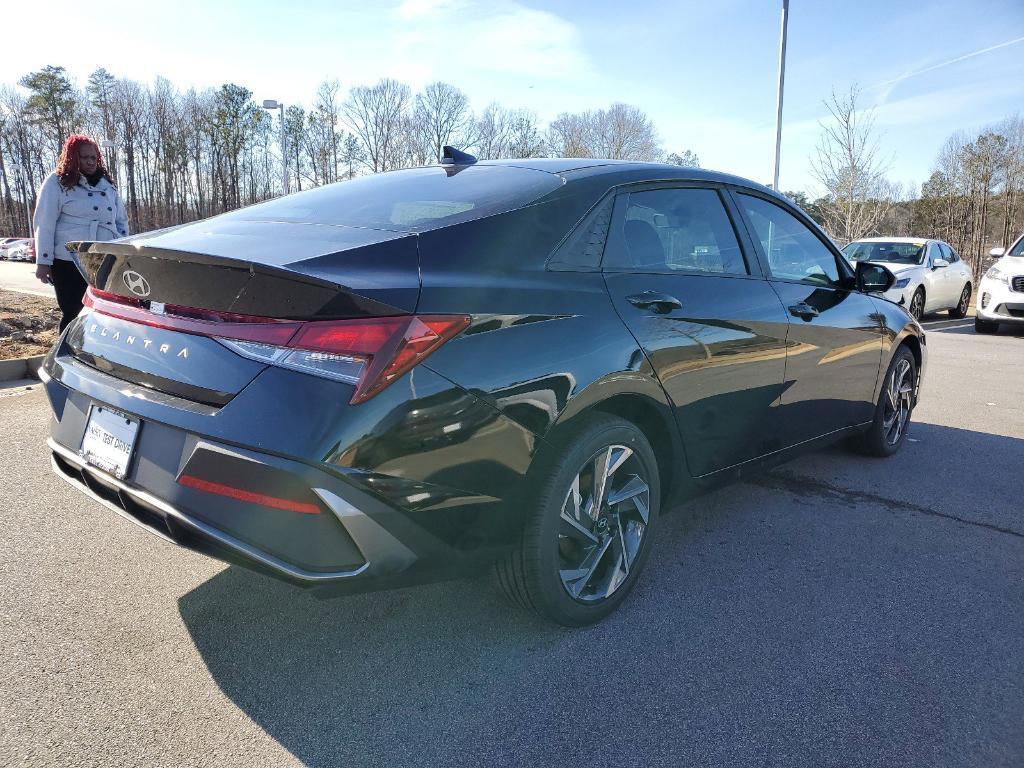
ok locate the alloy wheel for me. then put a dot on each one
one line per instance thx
(917, 306)
(603, 519)
(897, 404)
(965, 299)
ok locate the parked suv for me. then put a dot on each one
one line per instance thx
(424, 373)
(1001, 297)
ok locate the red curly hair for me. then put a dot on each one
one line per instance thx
(67, 165)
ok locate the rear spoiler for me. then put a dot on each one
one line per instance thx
(219, 283)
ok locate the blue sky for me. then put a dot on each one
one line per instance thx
(704, 71)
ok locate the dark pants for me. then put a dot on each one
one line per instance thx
(70, 287)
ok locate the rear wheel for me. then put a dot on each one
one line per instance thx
(587, 536)
(917, 304)
(985, 326)
(895, 403)
(960, 310)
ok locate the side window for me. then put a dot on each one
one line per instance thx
(948, 254)
(676, 230)
(934, 253)
(582, 249)
(793, 251)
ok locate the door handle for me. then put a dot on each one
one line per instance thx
(803, 310)
(661, 303)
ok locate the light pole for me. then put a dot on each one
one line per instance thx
(273, 104)
(108, 150)
(782, 83)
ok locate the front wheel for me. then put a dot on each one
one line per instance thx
(985, 326)
(892, 413)
(960, 310)
(587, 535)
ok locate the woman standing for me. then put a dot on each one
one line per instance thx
(77, 202)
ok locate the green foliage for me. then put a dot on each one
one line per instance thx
(686, 158)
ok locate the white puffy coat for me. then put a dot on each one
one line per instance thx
(84, 212)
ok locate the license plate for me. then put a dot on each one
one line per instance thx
(108, 440)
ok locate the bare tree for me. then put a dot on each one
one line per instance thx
(324, 125)
(499, 133)
(378, 116)
(625, 132)
(621, 132)
(440, 116)
(570, 135)
(848, 166)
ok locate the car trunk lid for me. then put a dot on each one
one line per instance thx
(258, 280)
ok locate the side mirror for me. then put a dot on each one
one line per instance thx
(939, 263)
(997, 253)
(874, 278)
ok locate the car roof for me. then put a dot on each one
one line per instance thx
(628, 170)
(894, 240)
(555, 164)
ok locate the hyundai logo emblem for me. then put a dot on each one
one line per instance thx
(136, 283)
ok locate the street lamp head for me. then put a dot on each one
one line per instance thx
(270, 104)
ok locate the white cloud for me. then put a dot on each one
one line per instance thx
(456, 39)
(410, 10)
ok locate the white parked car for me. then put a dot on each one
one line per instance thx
(1001, 294)
(7, 243)
(930, 276)
(20, 251)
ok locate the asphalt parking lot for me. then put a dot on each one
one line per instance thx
(837, 611)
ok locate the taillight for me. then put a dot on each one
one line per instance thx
(369, 352)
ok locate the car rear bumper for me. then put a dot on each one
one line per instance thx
(178, 526)
(360, 537)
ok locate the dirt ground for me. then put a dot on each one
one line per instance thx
(28, 324)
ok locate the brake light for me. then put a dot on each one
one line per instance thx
(368, 352)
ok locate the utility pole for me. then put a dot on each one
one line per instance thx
(782, 84)
(272, 104)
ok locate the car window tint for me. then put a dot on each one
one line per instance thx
(583, 248)
(413, 200)
(794, 252)
(947, 253)
(677, 230)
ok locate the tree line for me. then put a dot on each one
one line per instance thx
(184, 155)
(972, 200)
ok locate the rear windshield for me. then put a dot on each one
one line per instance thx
(895, 253)
(412, 200)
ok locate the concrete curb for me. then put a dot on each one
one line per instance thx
(20, 368)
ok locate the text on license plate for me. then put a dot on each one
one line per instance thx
(108, 440)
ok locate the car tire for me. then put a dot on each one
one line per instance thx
(916, 307)
(566, 566)
(985, 326)
(960, 310)
(895, 405)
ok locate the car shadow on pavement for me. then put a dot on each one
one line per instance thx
(938, 324)
(807, 616)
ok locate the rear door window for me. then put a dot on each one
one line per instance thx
(676, 231)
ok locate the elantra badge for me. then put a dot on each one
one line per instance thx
(136, 283)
